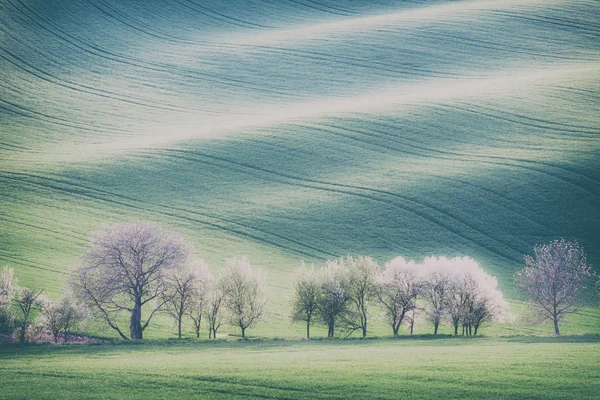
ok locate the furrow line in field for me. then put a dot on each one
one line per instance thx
(344, 189)
(219, 225)
(81, 88)
(97, 51)
(211, 14)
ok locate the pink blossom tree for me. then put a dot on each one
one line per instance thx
(125, 270)
(553, 278)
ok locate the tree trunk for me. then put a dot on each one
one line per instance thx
(179, 326)
(435, 327)
(65, 336)
(135, 323)
(364, 325)
(243, 333)
(456, 329)
(412, 325)
(556, 331)
(307, 329)
(470, 330)
(22, 332)
(475, 330)
(395, 328)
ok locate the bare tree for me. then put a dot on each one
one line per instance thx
(213, 310)
(184, 285)
(199, 296)
(553, 278)
(334, 299)
(362, 288)
(26, 300)
(397, 290)
(8, 291)
(244, 294)
(125, 269)
(305, 300)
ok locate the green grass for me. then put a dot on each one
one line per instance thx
(422, 368)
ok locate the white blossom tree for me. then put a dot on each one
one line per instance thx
(244, 293)
(553, 278)
(398, 288)
(186, 293)
(306, 296)
(8, 291)
(60, 317)
(459, 288)
(124, 270)
(214, 308)
(335, 297)
(199, 298)
(437, 289)
(362, 273)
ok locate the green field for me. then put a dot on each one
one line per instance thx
(417, 368)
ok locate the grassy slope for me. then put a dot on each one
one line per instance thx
(456, 130)
(506, 368)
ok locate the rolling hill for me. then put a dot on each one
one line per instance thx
(299, 129)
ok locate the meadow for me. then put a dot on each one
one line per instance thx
(418, 368)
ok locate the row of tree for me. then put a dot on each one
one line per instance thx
(138, 267)
(17, 305)
(343, 292)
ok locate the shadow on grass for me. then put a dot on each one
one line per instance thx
(91, 349)
(553, 339)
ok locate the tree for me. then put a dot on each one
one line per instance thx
(185, 284)
(397, 290)
(436, 289)
(305, 300)
(51, 317)
(413, 319)
(60, 317)
(334, 299)
(553, 278)
(214, 301)
(244, 294)
(362, 289)
(199, 296)
(26, 300)
(72, 316)
(124, 269)
(8, 290)
(460, 300)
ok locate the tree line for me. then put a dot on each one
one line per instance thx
(132, 272)
(343, 292)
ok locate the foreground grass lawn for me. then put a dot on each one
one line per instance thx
(548, 368)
